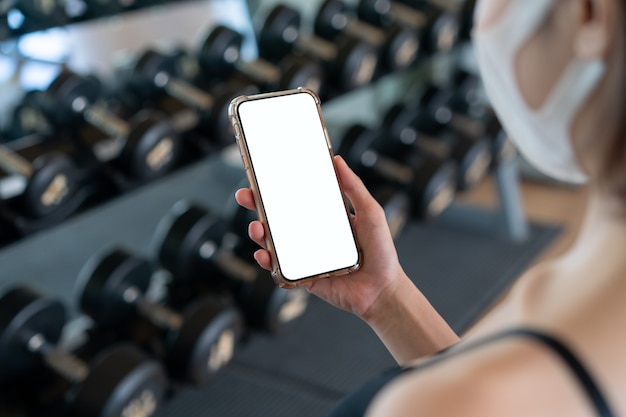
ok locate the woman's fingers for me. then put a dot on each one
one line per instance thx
(245, 199)
(256, 231)
(263, 259)
(354, 188)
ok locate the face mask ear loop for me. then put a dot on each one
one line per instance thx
(575, 85)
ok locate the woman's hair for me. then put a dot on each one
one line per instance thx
(613, 174)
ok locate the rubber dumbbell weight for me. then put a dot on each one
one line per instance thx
(44, 184)
(156, 73)
(37, 14)
(439, 27)
(466, 107)
(200, 341)
(428, 180)
(348, 63)
(468, 136)
(220, 55)
(118, 381)
(194, 243)
(408, 128)
(101, 8)
(398, 46)
(285, 306)
(397, 207)
(145, 148)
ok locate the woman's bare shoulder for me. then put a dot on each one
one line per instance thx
(511, 377)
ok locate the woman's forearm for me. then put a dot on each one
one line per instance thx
(408, 324)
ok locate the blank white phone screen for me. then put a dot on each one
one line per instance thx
(297, 184)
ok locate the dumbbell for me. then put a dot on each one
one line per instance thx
(398, 46)
(200, 341)
(428, 180)
(469, 111)
(193, 243)
(47, 181)
(409, 127)
(146, 147)
(460, 108)
(118, 381)
(38, 14)
(397, 207)
(220, 54)
(349, 63)
(156, 73)
(439, 27)
(99, 8)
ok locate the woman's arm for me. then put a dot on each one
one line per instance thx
(380, 293)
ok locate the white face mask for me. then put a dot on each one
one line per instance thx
(542, 136)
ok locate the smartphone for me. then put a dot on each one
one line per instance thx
(288, 159)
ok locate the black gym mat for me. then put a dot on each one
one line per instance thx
(462, 271)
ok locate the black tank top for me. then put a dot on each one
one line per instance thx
(356, 403)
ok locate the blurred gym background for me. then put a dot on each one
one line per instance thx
(127, 286)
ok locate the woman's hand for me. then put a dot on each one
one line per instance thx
(379, 292)
(380, 268)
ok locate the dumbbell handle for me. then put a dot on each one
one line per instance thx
(318, 47)
(183, 91)
(98, 116)
(158, 314)
(227, 261)
(369, 33)
(387, 167)
(449, 5)
(260, 70)
(460, 122)
(235, 266)
(62, 362)
(15, 164)
(407, 16)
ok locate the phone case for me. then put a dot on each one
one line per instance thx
(276, 272)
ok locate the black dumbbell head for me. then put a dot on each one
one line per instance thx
(301, 72)
(473, 157)
(356, 141)
(102, 283)
(220, 51)
(27, 116)
(52, 184)
(206, 341)
(331, 19)
(44, 13)
(152, 147)
(433, 188)
(374, 11)
(397, 206)
(148, 68)
(68, 95)
(269, 307)
(399, 123)
(356, 63)
(185, 237)
(25, 313)
(443, 33)
(402, 48)
(122, 381)
(100, 8)
(279, 33)
(219, 123)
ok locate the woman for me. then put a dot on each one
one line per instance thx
(554, 70)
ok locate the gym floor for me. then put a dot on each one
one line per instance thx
(543, 202)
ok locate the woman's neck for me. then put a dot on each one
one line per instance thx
(602, 238)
